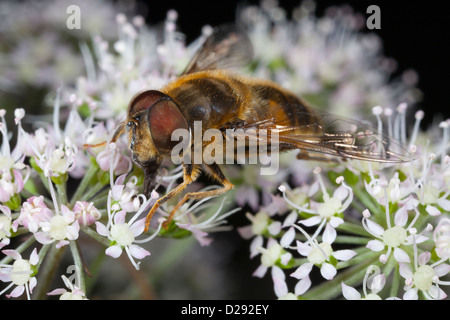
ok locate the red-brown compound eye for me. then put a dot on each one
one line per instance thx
(164, 117)
(145, 100)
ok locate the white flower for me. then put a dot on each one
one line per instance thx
(33, 212)
(5, 225)
(394, 237)
(61, 228)
(320, 255)
(74, 293)
(424, 278)
(20, 273)
(123, 235)
(271, 256)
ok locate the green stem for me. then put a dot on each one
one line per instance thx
(353, 228)
(80, 278)
(61, 189)
(85, 182)
(47, 272)
(351, 240)
(96, 236)
(92, 191)
(366, 200)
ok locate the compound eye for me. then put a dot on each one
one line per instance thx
(164, 118)
(144, 101)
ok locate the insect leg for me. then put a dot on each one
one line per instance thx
(216, 173)
(191, 173)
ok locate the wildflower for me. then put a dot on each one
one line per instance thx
(328, 212)
(272, 256)
(321, 255)
(441, 238)
(424, 278)
(86, 213)
(21, 274)
(74, 293)
(122, 235)
(61, 228)
(33, 212)
(195, 219)
(5, 226)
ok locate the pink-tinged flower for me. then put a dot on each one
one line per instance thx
(86, 213)
(195, 218)
(74, 293)
(113, 159)
(441, 237)
(321, 255)
(21, 274)
(33, 212)
(61, 228)
(424, 278)
(5, 225)
(122, 236)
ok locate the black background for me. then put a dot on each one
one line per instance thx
(415, 34)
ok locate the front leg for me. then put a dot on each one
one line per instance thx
(217, 174)
(190, 174)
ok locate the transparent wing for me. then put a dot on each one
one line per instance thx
(329, 134)
(227, 47)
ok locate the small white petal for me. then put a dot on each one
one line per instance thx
(13, 254)
(375, 245)
(310, 221)
(432, 210)
(410, 294)
(350, 293)
(302, 286)
(290, 219)
(405, 270)
(17, 292)
(285, 258)
(138, 227)
(101, 229)
(328, 271)
(255, 245)
(260, 271)
(287, 238)
(442, 270)
(32, 283)
(374, 227)
(336, 221)
(424, 258)
(401, 217)
(43, 237)
(138, 252)
(344, 255)
(401, 256)
(274, 228)
(279, 283)
(303, 248)
(114, 251)
(34, 257)
(302, 271)
(329, 235)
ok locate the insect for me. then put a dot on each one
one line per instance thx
(207, 91)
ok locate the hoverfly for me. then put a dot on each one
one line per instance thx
(206, 91)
